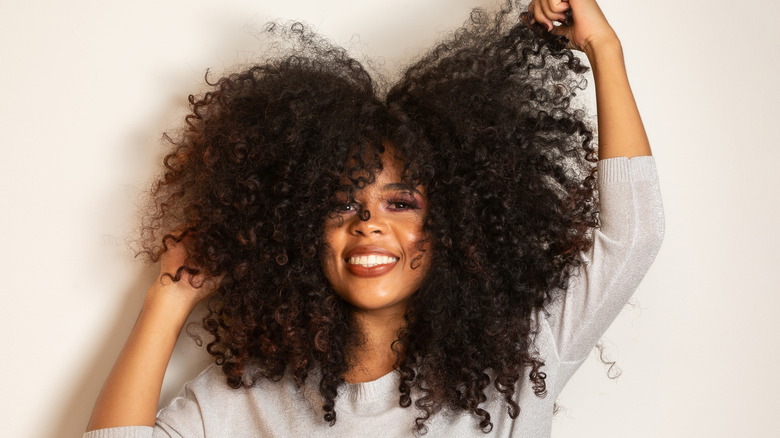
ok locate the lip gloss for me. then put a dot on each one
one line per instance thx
(372, 271)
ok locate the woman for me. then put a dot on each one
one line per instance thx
(427, 263)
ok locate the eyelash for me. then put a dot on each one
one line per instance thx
(342, 207)
(409, 203)
(397, 203)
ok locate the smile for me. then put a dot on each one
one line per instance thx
(369, 261)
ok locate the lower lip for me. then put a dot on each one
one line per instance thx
(374, 271)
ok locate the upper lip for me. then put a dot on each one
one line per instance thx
(368, 250)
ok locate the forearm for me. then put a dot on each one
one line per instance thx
(620, 129)
(131, 393)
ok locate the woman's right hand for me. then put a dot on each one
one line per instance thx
(132, 390)
(189, 290)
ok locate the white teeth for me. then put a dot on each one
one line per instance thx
(370, 261)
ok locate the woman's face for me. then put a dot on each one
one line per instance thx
(373, 238)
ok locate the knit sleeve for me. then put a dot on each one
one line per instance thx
(122, 432)
(624, 247)
(182, 418)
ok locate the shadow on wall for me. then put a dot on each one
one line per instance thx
(77, 404)
(142, 155)
(187, 361)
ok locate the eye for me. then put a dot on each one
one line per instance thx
(346, 207)
(342, 204)
(403, 203)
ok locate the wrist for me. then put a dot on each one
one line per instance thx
(169, 304)
(599, 48)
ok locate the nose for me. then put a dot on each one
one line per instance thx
(367, 223)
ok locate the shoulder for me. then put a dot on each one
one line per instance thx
(211, 384)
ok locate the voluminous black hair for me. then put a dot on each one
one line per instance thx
(484, 122)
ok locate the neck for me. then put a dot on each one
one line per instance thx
(375, 357)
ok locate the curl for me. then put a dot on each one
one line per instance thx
(484, 121)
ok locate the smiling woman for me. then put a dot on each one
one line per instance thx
(376, 252)
(435, 246)
(376, 257)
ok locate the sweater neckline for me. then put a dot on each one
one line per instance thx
(370, 398)
(372, 390)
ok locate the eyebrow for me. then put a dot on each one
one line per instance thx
(401, 186)
(387, 187)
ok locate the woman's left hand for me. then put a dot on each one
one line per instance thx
(621, 133)
(589, 28)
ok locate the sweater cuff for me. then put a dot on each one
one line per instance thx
(121, 432)
(622, 169)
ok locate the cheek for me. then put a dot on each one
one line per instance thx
(419, 246)
(328, 251)
(331, 236)
(328, 263)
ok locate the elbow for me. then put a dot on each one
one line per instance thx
(648, 236)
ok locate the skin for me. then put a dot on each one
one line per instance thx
(379, 295)
(131, 392)
(621, 132)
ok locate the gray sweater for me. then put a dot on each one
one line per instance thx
(625, 245)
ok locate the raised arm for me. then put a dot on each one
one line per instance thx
(621, 133)
(131, 393)
(630, 213)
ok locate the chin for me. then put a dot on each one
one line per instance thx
(376, 301)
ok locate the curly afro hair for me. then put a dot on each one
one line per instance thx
(484, 121)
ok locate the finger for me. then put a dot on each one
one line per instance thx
(551, 10)
(527, 18)
(545, 15)
(175, 251)
(560, 6)
(537, 11)
(530, 15)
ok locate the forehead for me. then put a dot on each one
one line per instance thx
(373, 165)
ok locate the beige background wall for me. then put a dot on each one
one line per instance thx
(88, 87)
